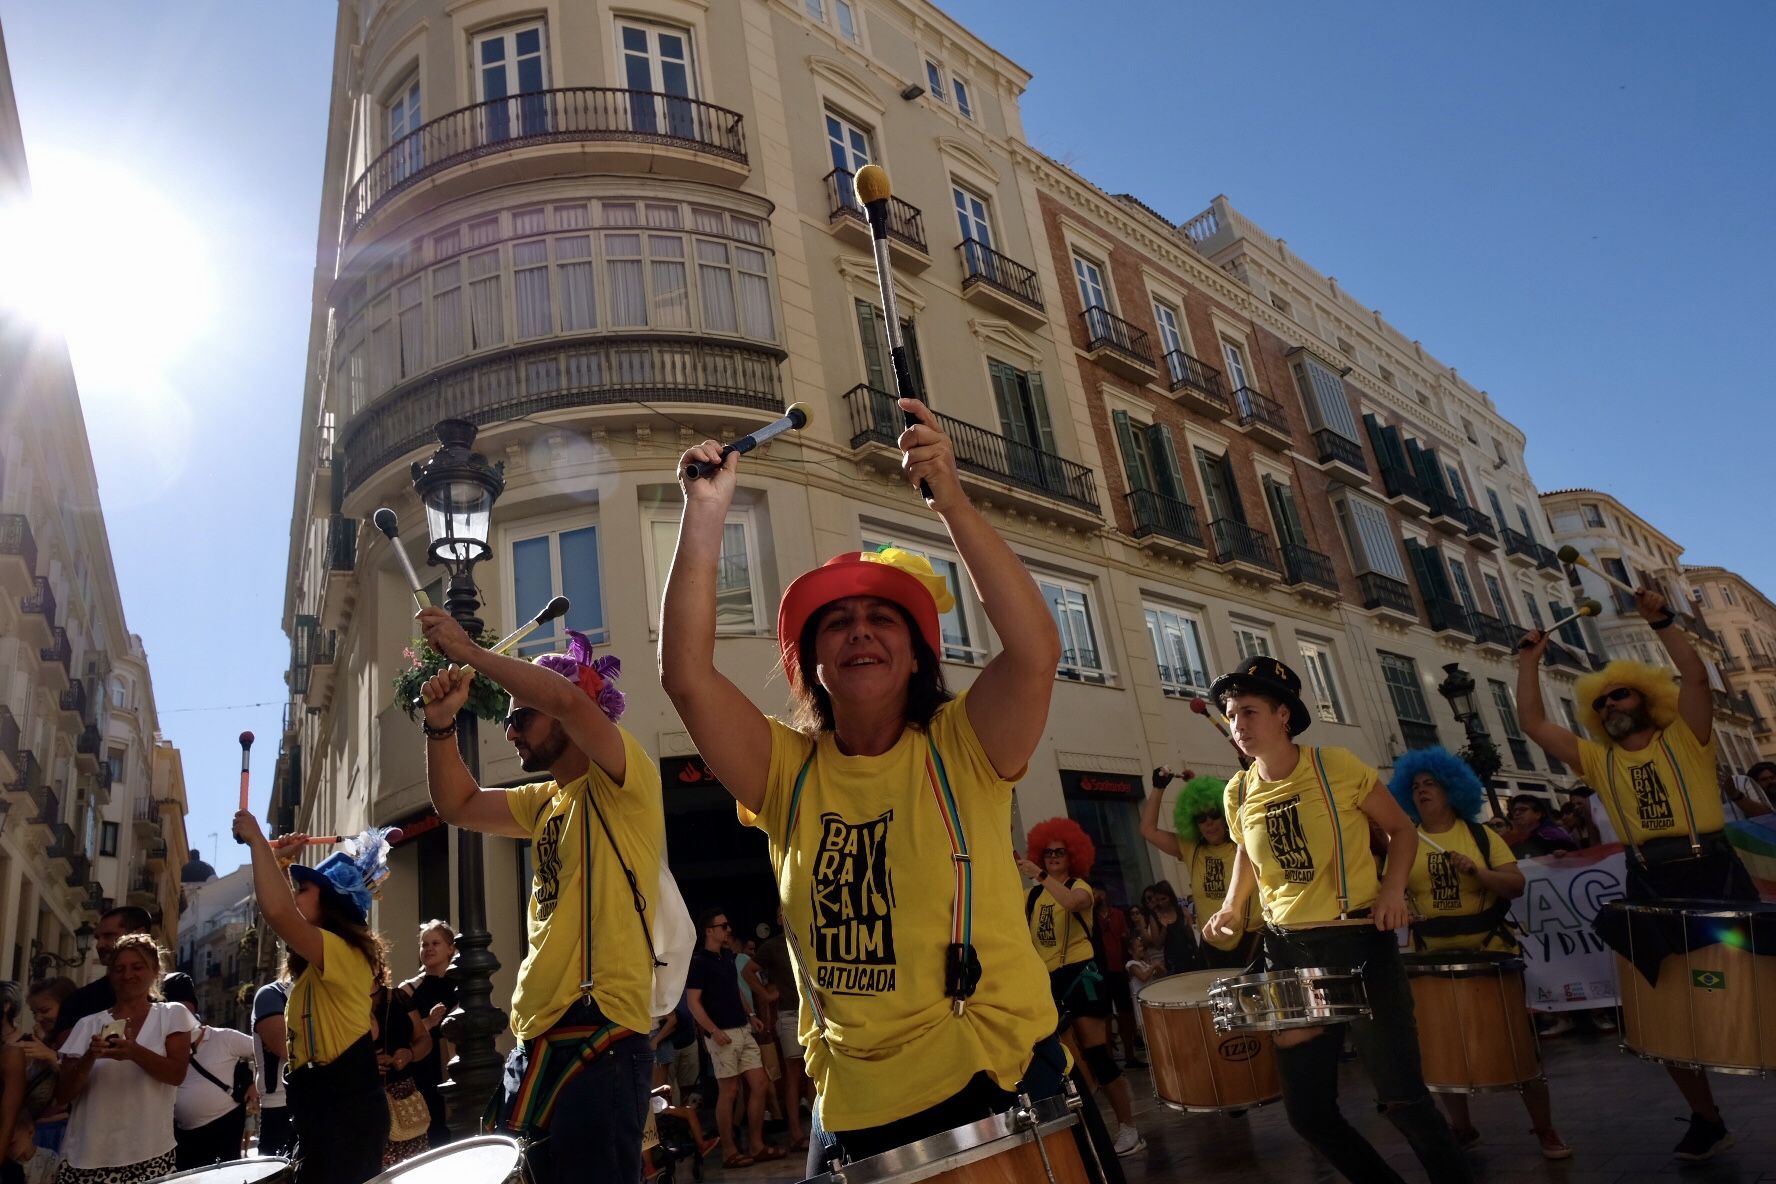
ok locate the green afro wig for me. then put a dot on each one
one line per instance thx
(1199, 794)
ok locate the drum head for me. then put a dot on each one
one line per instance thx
(1181, 990)
(1462, 962)
(948, 1150)
(240, 1171)
(485, 1159)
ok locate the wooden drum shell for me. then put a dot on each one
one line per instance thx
(1195, 1068)
(1475, 1032)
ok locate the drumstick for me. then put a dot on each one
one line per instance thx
(795, 418)
(1584, 608)
(1569, 555)
(283, 841)
(246, 743)
(1433, 842)
(386, 521)
(556, 607)
(873, 192)
(1202, 708)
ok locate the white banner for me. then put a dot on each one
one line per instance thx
(1567, 966)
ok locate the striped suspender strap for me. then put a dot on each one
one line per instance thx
(962, 906)
(1683, 789)
(1337, 825)
(586, 892)
(1609, 763)
(789, 929)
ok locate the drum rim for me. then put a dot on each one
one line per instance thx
(1183, 1109)
(1422, 965)
(1175, 1005)
(195, 1173)
(1704, 1066)
(1052, 1114)
(437, 1153)
(1292, 974)
(1716, 909)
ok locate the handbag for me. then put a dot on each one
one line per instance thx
(409, 1116)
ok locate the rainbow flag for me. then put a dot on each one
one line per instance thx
(1755, 840)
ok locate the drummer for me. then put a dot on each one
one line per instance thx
(1652, 764)
(922, 1001)
(1201, 843)
(1300, 817)
(1058, 908)
(1463, 881)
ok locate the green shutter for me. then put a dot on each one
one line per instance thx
(1284, 512)
(875, 347)
(1162, 451)
(915, 367)
(1233, 490)
(1005, 401)
(1133, 463)
(1045, 437)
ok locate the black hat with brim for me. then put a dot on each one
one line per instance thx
(1260, 675)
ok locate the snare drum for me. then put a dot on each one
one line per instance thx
(1197, 1069)
(1474, 1030)
(1714, 1004)
(1019, 1145)
(484, 1159)
(270, 1169)
(1305, 997)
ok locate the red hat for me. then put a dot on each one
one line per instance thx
(889, 574)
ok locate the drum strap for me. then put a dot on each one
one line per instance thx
(1683, 790)
(636, 898)
(1337, 825)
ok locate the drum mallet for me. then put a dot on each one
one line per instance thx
(873, 193)
(1570, 556)
(1202, 708)
(1582, 608)
(246, 743)
(795, 419)
(555, 608)
(386, 521)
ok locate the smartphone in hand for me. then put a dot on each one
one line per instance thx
(116, 1028)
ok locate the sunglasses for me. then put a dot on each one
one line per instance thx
(1615, 696)
(520, 718)
(1207, 816)
(1053, 851)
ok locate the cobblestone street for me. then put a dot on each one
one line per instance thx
(1620, 1115)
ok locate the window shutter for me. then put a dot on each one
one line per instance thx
(1044, 435)
(1234, 505)
(1284, 512)
(1005, 401)
(1132, 461)
(1163, 451)
(915, 367)
(875, 347)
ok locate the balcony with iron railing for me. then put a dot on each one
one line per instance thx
(1261, 418)
(1307, 569)
(40, 601)
(79, 870)
(342, 543)
(1235, 542)
(1405, 490)
(1196, 384)
(877, 419)
(1118, 346)
(622, 373)
(846, 215)
(74, 699)
(59, 652)
(17, 543)
(1387, 594)
(63, 842)
(1519, 752)
(699, 140)
(1477, 525)
(1341, 457)
(1546, 559)
(1494, 632)
(1001, 283)
(1520, 546)
(1417, 734)
(1155, 514)
(48, 803)
(1567, 656)
(1445, 510)
(1759, 660)
(1729, 664)
(1447, 616)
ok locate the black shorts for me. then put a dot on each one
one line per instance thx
(1080, 989)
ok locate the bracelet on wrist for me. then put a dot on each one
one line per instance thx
(1664, 622)
(443, 733)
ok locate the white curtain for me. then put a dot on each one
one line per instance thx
(573, 274)
(447, 317)
(628, 296)
(487, 325)
(715, 285)
(671, 303)
(530, 288)
(757, 318)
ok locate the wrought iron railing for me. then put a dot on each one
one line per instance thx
(982, 264)
(1105, 330)
(41, 601)
(1490, 630)
(1546, 558)
(1236, 542)
(48, 803)
(1381, 591)
(905, 221)
(1476, 522)
(9, 732)
(1330, 447)
(1758, 660)
(1304, 565)
(1256, 408)
(74, 699)
(585, 372)
(1447, 615)
(59, 650)
(581, 113)
(16, 539)
(1186, 371)
(1397, 482)
(1155, 513)
(876, 417)
(342, 543)
(1518, 543)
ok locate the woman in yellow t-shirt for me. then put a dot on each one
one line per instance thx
(1058, 908)
(1201, 842)
(920, 1011)
(1301, 817)
(1463, 881)
(322, 915)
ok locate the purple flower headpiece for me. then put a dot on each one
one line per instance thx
(595, 676)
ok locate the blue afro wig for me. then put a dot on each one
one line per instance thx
(1467, 797)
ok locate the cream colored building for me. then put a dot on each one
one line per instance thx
(1617, 540)
(1745, 621)
(79, 738)
(647, 241)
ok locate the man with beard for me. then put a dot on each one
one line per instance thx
(1652, 764)
(576, 1084)
(97, 995)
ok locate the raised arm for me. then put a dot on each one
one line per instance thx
(277, 902)
(730, 733)
(456, 796)
(1532, 716)
(1008, 704)
(1165, 840)
(1695, 698)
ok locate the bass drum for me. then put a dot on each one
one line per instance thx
(1195, 1068)
(1474, 1029)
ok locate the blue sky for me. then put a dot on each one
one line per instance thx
(1570, 203)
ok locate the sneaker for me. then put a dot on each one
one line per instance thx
(1553, 1147)
(1702, 1140)
(1603, 1021)
(1560, 1027)
(1466, 1137)
(1128, 1141)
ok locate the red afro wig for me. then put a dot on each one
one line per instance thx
(1081, 852)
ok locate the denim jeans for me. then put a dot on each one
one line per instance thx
(1387, 1042)
(596, 1129)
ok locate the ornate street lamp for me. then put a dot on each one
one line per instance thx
(42, 960)
(1457, 689)
(458, 487)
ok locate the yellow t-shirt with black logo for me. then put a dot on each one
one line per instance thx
(1061, 937)
(558, 819)
(1650, 797)
(867, 884)
(329, 1007)
(1289, 834)
(1211, 873)
(1437, 889)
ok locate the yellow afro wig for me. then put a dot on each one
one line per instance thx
(1655, 684)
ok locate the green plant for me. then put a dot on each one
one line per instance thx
(1482, 757)
(487, 699)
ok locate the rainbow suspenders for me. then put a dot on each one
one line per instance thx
(1325, 783)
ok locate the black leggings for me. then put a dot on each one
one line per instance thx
(341, 1117)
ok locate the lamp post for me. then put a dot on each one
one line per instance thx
(458, 486)
(1457, 689)
(42, 960)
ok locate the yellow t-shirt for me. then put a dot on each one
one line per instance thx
(329, 1008)
(1287, 833)
(1211, 874)
(867, 884)
(1061, 937)
(1436, 889)
(559, 820)
(1649, 796)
